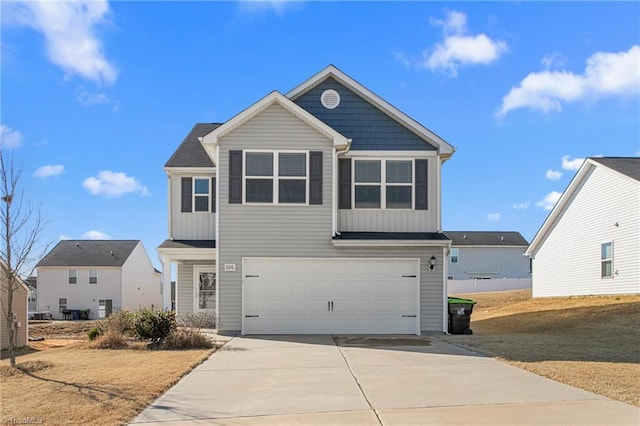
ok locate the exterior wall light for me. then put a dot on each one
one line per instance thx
(432, 263)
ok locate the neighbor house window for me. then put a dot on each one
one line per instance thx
(454, 255)
(62, 304)
(73, 276)
(383, 184)
(276, 177)
(201, 194)
(606, 260)
(93, 276)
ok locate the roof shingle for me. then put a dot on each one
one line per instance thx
(191, 153)
(89, 253)
(629, 166)
(486, 238)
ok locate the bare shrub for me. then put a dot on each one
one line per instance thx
(198, 320)
(187, 338)
(109, 340)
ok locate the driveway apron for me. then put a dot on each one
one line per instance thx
(319, 380)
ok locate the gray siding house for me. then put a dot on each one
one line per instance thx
(315, 211)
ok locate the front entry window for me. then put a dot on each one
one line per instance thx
(206, 290)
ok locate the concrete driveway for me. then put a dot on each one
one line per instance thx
(319, 380)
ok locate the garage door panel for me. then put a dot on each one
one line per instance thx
(364, 296)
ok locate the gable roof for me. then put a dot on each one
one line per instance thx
(628, 166)
(210, 140)
(487, 238)
(444, 148)
(622, 165)
(89, 253)
(190, 153)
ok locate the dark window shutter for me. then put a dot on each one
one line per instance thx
(315, 177)
(214, 200)
(422, 191)
(235, 177)
(344, 183)
(186, 195)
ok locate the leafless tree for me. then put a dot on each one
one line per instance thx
(22, 225)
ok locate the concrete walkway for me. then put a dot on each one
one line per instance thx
(311, 380)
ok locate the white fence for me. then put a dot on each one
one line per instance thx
(479, 286)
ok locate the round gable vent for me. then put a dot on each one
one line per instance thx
(330, 99)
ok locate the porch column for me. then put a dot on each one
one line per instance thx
(166, 282)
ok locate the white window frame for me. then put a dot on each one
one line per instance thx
(457, 256)
(383, 183)
(197, 269)
(275, 178)
(194, 195)
(609, 259)
(95, 275)
(61, 306)
(75, 276)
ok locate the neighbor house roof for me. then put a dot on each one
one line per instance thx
(486, 238)
(629, 167)
(191, 153)
(89, 253)
(444, 148)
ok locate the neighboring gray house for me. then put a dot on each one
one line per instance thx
(487, 255)
(316, 211)
(104, 276)
(590, 242)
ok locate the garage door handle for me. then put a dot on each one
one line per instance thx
(409, 276)
(251, 276)
(408, 316)
(252, 316)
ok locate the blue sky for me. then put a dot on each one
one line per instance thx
(97, 95)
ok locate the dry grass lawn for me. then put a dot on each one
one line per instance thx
(588, 342)
(68, 384)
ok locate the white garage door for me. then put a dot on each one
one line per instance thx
(325, 296)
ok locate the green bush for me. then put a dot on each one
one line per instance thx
(94, 333)
(153, 325)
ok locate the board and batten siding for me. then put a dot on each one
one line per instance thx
(568, 261)
(294, 231)
(192, 225)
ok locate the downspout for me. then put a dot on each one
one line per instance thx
(334, 212)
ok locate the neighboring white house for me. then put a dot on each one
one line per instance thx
(487, 261)
(311, 212)
(103, 276)
(20, 297)
(590, 242)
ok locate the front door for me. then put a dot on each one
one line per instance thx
(205, 289)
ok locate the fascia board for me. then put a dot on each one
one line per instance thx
(211, 140)
(559, 208)
(391, 243)
(189, 170)
(444, 148)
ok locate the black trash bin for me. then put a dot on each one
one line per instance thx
(75, 314)
(460, 315)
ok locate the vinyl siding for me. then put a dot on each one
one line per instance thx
(568, 261)
(505, 262)
(184, 285)
(189, 226)
(140, 283)
(293, 231)
(356, 118)
(20, 309)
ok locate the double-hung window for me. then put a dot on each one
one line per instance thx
(383, 184)
(606, 260)
(93, 276)
(454, 255)
(273, 177)
(62, 304)
(73, 276)
(201, 193)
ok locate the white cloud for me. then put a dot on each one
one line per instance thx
(553, 60)
(522, 206)
(49, 170)
(88, 99)
(10, 138)
(553, 174)
(458, 48)
(606, 74)
(549, 200)
(279, 7)
(95, 235)
(69, 29)
(114, 184)
(494, 217)
(571, 164)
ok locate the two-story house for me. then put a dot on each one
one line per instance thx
(316, 211)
